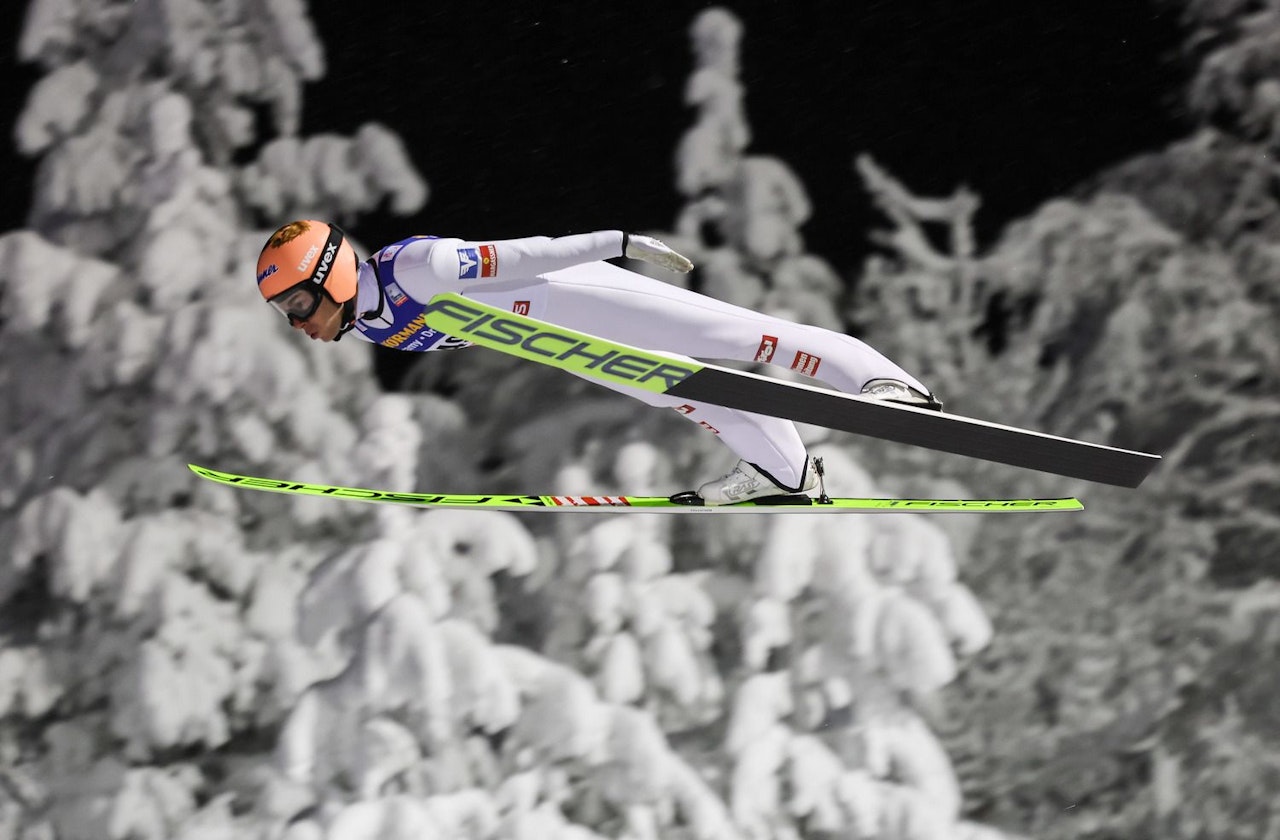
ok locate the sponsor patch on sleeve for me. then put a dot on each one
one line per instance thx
(768, 346)
(468, 264)
(488, 261)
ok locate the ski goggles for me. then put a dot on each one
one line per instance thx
(298, 303)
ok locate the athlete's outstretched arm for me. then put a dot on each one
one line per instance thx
(519, 259)
(430, 266)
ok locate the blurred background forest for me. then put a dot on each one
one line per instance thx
(1063, 220)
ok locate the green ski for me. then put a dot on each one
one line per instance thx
(637, 504)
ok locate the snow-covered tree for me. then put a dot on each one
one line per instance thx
(1141, 312)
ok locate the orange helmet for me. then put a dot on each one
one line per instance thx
(302, 259)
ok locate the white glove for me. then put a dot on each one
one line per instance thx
(646, 248)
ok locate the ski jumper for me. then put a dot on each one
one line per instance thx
(564, 281)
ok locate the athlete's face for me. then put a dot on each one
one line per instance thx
(325, 322)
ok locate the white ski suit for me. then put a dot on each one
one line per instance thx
(565, 281)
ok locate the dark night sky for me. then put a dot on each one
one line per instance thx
(553, 121)
(550, 118)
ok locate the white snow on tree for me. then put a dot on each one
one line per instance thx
(753, 202)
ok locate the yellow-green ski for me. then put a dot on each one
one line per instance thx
(636, 504)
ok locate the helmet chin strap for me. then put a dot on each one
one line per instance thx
(348, 319)
(349, 308)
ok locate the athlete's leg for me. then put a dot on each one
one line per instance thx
(611, 302)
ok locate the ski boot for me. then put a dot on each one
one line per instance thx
(747, 482)
(891, 390)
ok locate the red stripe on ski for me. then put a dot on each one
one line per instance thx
(591, 501)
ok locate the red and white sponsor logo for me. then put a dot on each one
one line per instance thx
(806, 363)
(520, 307)
(591, 501)
(488, 261)
(768, 346)
(687, 409)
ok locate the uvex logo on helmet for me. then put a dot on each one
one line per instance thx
(326, 263)
(308, 257)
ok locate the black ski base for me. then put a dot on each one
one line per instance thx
(917, 426)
